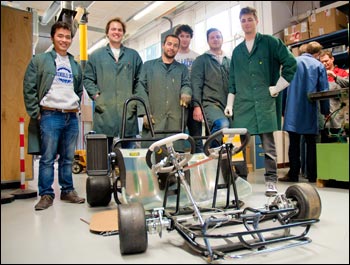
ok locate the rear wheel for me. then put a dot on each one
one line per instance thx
(132, 228)
(306, 199)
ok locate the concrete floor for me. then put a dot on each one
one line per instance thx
(58, 235)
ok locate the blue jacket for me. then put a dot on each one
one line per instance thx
(301, 114)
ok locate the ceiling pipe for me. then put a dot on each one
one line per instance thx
(171, 22)
(50, 12)
(67, 12)
(64, 10)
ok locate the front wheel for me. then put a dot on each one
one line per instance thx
(132, 228)
(306, 199)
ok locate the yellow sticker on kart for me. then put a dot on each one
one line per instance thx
(236, 141)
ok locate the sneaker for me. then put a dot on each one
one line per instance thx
(271, 189)
(45, 202)
(72, 197)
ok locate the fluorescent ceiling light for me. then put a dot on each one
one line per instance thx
(148, 9)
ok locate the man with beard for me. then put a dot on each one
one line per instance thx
(209, 76)
(165, 87)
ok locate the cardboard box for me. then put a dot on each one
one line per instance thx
(326, 22)
(296, 33)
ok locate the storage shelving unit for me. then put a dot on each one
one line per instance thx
(337, 38)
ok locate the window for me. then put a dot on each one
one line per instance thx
(236, 32)
(142, 55)
(235, 22)
(200, 38)
(221, 22)
(227, 48)
(152, 52)
(227, 22)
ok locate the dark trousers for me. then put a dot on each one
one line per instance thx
(294, 156)
(241, 166)
(195, 129)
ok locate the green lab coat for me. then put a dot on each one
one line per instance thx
(37, 81)
(209, 82)
(251, 74)
(160, 87)
(116, 82)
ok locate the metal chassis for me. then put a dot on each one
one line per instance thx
(258, 242)
(282, 210)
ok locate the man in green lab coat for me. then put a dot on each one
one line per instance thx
(165, 87)
(261, 67)
(110, 77)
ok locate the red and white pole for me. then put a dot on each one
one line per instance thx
(23, 193)
(21, 152)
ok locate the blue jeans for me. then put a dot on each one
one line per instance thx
(218, 125)
(195, 129)
(59, 135)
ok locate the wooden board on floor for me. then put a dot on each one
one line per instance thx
(105, 222)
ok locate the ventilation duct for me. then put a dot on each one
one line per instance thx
(67, 13)
(64, 11)
(50, 13)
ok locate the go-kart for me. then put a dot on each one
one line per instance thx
(199, 199)
(296, 210)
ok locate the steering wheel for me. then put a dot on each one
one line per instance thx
(182, 158)
(231, 132)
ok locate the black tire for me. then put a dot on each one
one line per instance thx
(98, 190)
(307, 200)
(132, 228)
(76, 168)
